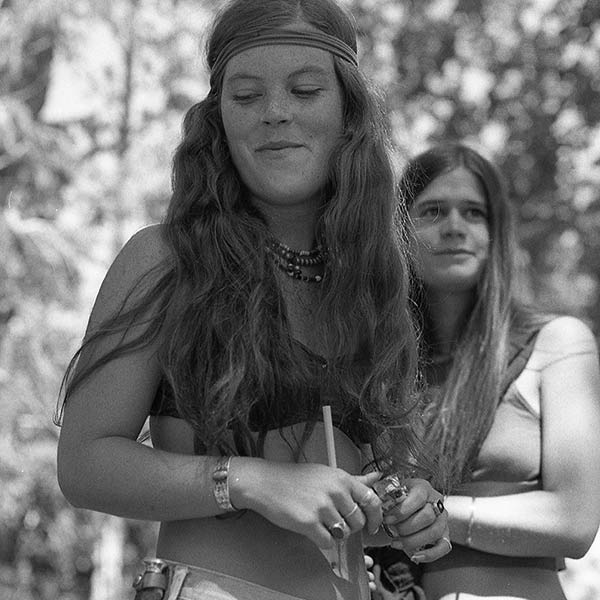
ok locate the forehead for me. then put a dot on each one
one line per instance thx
(264, 62)
(458, 184)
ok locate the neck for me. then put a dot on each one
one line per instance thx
(294, 225)
(448, 312)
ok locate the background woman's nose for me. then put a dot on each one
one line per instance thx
(453, 223)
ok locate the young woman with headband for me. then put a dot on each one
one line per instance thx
(277, 285)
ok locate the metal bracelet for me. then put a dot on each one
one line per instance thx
(469, 537)
(221, 484)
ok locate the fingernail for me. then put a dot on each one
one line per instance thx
(417, 558)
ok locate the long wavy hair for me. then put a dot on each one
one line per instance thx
(225, 341)
(459, 412)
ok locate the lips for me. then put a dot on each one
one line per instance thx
(278, 145)
(453, 252)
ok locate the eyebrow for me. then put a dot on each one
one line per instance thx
(441, 199)
(307, 70)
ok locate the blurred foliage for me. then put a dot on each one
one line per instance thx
(91, 100)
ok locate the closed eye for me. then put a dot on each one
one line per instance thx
(307, 92)
(245, 97)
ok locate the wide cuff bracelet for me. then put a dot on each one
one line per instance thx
(221, 484)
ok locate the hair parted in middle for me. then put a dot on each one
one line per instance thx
(227, 343)
(460, 417)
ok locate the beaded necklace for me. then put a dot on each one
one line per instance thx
(291, 261)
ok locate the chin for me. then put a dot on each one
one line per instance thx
(455, 285)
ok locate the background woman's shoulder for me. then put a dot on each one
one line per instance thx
(561, 337)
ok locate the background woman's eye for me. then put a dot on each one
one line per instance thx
(431, 212)
(477, 213)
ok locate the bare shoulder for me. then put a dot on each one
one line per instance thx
(145, 250)
(565, 330)
(134, 271)
(562, 337)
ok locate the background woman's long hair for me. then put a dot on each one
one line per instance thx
(461, 411)
(218, 307)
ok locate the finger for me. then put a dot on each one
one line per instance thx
(419, 492)
(369, 479)
(407, 526)
(423, 518)
(355, 518)
(412, 544)
(370, 505)
(339, 530)
(322, 537)
(440, 548)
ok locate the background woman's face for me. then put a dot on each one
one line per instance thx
(282, 113)
(451, 223)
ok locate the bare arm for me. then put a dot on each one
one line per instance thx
(102, 467)
(100, 464)
(562, 518)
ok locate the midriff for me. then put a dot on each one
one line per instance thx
(248, 546)
(253, 549)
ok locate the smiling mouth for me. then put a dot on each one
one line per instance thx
(277, 146)
(453, 253)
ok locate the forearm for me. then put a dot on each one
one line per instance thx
(537, 523)
(119, 476)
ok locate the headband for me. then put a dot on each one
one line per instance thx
(279, 37)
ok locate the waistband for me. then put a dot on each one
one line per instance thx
(462, 556)
(188, 582)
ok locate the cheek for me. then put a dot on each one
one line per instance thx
(234, 126)
(483, 240)
(425, 239)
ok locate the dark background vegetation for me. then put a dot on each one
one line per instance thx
(91, 99)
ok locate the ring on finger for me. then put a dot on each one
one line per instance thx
(438, 506)
(339, 530)
(354, 509)
(447, 540)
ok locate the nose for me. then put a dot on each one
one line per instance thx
(453, 225)
(277, 108)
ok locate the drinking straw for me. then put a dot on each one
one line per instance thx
(328, 423)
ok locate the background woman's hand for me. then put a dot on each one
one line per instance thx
(420, 522)
(306, 498)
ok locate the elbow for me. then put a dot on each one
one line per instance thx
(69, 488)
(70, 481)
(579, 540)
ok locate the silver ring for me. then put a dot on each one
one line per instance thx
(447, 540)
(339, 530)
(351, 512)
(438, 506)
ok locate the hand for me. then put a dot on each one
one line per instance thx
(307, 498)
(420, 522)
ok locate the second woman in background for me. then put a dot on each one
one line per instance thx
(513, 407)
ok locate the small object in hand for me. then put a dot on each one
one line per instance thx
(338, 530)
(390, 490)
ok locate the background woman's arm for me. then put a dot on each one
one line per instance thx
(562, 518)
